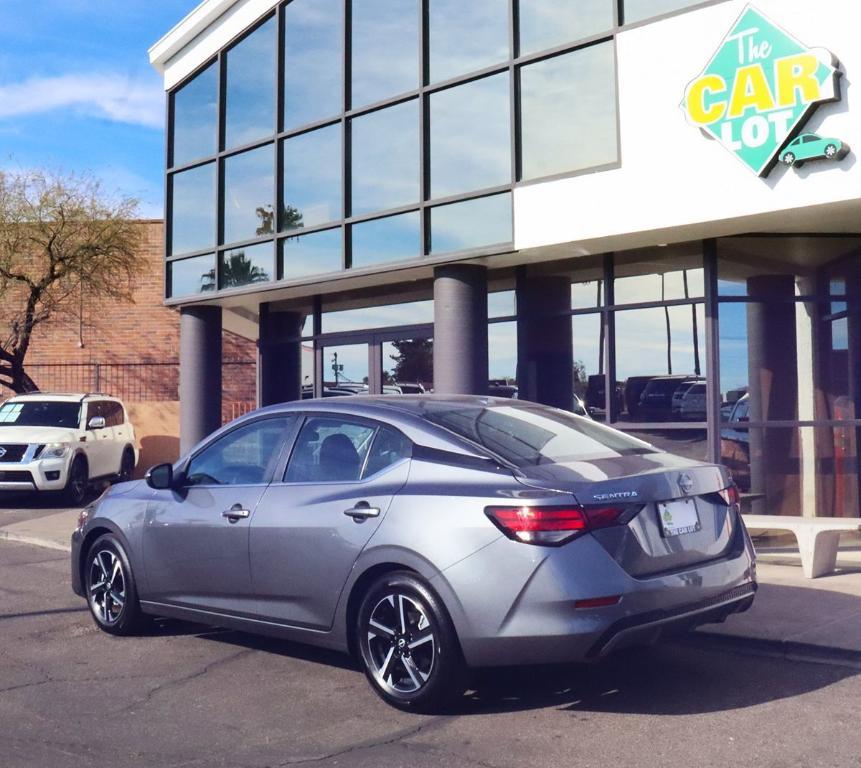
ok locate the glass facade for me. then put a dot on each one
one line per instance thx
(267, 141)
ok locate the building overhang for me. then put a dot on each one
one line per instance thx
(187, 30)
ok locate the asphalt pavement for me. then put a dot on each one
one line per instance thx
(184, 695)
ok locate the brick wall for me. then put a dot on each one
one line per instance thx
(115, 334)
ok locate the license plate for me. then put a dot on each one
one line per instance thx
(678, 517)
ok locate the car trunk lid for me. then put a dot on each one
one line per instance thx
(679, 519)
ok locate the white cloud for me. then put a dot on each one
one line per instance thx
(116, 97)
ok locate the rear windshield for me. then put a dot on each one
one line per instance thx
(664, 386)
(532, 435)
(40, 414)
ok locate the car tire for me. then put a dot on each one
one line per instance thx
(831, 152)
(408, 645)
(127, 467)
(110, 587)
(789, 159)
(77, 482)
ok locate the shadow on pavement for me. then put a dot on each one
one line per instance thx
(667, 679)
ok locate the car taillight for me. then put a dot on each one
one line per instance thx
(731, 497)
(552, 526)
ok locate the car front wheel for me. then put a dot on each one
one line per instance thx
(831, 151)
(111, 591)
(789, 159)
(77, 482)
(408, 645)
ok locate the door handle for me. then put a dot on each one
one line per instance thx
(236, 513)
(362, 511)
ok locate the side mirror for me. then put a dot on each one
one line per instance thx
(97, 422)
(160, 477)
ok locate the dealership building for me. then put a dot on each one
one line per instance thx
(652, 205)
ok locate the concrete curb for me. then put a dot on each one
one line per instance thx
(775, 648)
(34, 541)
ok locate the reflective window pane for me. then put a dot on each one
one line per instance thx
(466, 36)
(407, 366)
(659, 280)
(383, 240)
(249, 265)
(589, 380)
(502, 354)
(548, 23)
(470, 137)
(472, 224)
(657, 352)
(502, 304)
(586, 294)
(345, 366)
(749, 356)
(192, 215)
(312, 254)
(313, 52)
(195, 117)
(637, 10)
(569, 112)
(249, 188)
(385, 155)
(312, 178)
(385, 42)
(189, 277)
(250, 95)
(407, 313)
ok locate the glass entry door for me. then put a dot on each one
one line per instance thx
(390, 362)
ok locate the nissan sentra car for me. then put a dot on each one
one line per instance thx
(424, 534)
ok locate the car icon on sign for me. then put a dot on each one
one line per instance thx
(809, 146)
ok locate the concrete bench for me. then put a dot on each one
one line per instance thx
(818, 537)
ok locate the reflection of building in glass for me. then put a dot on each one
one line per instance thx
(484, 205)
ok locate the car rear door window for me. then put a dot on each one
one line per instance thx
(329, 449)
(389, 447)
(243, 456)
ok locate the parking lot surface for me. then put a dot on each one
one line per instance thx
(184, 695)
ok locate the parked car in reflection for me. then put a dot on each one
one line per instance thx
(693, 402)
(502, 389)
(633, 391)
(424, 535)
(656, 401)
(735, 444)
(679, 394)
(596, 386)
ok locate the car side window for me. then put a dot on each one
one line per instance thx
(329, 449)
(241, 457)
(389, 447)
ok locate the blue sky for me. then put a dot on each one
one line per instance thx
(77, 92)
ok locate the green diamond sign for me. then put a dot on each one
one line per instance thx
(759, 89)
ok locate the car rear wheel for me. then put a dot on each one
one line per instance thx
(111, 591)
(76, 483)
(408, 645)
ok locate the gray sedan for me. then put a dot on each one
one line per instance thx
(425, 535)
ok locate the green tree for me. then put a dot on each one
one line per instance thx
(61, 236)
(236, 270)
(413, 361)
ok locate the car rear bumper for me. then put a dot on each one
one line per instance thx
(529, 613)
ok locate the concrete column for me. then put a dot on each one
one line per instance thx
(279, 356)
(460, 330)
(773, 386)
(199, 374)
(545, 356)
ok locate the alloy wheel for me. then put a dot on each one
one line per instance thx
(107, 590)
(401, 644)
(77, 482)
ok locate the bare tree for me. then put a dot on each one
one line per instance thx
(59, 235)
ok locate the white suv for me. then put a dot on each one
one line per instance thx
(63, 443)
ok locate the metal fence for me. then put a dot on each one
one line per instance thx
(146, 382)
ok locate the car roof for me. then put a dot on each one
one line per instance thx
(59, 397)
